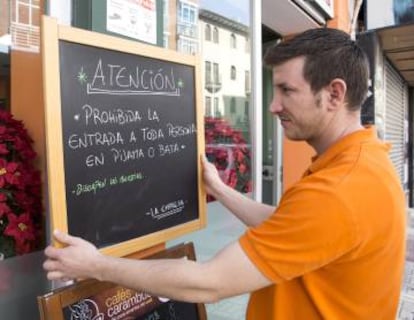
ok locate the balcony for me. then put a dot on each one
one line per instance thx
(187, 30)
(213, 85)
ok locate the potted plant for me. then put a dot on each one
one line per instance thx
(21, 220)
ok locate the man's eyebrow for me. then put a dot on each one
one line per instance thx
(278, 84)
(283, 84)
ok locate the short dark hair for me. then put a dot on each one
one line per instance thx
(329, 54)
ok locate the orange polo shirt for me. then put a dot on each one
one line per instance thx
(335, 246)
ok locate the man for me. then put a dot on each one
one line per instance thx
(334, 248)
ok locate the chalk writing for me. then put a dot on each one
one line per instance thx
(124, 155)
(180, 131)
(124, 147)
(86, 140)
(119, 116)
(151, 134)
(100, 184)
(117, 79)
(166, 210)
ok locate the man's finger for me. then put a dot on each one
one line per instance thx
(50, 265)
(65, 238)
(203, 160)
(52, 252)
(55, 275)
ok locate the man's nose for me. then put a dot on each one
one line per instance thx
(275, 106)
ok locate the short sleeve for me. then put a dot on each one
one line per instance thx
(310, 228)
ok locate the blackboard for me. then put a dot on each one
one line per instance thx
(129, 130)
(91, 299)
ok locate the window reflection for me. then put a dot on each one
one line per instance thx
(226, 93)
(187, 27)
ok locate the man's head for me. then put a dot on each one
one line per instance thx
(329, 54)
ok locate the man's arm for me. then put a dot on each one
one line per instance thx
(229, 273)
(250, 212)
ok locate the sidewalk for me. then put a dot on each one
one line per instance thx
(222, 228)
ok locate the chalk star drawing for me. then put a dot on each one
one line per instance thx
(180, 83)
(82, 77)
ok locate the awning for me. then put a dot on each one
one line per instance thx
(398, 45)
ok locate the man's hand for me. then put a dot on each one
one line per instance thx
(212, 181)
(79, 259)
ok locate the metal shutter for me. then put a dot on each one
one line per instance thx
(396, 117)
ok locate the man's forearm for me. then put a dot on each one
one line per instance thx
(249, 211)
(169, 278)
(186, 280)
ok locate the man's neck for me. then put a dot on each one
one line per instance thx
(335, 132)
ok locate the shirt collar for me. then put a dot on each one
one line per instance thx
(351, 140)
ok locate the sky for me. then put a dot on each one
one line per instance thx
(238, 10)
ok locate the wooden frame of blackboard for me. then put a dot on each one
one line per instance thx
(51, 305)
(52, 34)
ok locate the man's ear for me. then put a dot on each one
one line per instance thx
(337, 91)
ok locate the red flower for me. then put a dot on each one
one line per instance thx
(242, 168)
(232, 179)
(20, 228)
(238, 155)
(8, 173)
